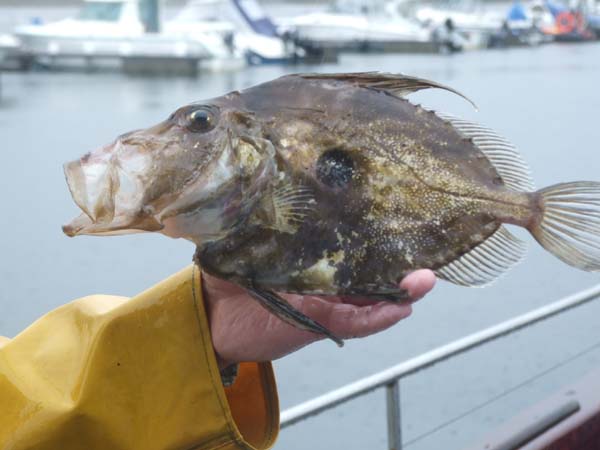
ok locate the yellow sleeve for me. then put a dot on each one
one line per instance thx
(110, 373)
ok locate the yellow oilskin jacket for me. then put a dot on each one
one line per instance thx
(107, 372)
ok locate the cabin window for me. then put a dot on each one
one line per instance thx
(101, 11)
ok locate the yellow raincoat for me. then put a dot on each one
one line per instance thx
(108, 373)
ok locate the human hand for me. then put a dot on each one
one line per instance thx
(242, 330)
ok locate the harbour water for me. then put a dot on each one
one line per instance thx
(545, 100)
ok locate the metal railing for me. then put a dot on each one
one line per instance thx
(390, 378)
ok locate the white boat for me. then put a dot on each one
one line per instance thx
(476, 20)
(361, 25)
(474, 26)
(523, 15)
(242, 23)
(9, 47)
(114, 29)
(521, 24)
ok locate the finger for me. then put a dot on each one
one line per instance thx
(366, 320)
(418, 283)
(342, 319)
(348, 321)
(359, 301)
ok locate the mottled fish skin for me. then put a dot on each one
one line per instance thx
(331, 184)
(395, 188)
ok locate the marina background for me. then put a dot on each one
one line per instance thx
(544, 99)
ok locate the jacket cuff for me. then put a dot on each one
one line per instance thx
(110, 372)
(252, 406)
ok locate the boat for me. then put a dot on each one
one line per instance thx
(109, 31)
(594, 24)
(535, 14)
(359, 25)
(593, 19)
(473, 24)
(524, 25)
(242, 24)
(9, 51)
(206, 34)
(570, 23)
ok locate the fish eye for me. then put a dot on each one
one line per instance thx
(200, 121)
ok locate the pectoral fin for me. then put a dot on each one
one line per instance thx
(287, 207)
(286, 312)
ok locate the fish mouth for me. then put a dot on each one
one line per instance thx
(94, 188)
(83, 225)
(77, 183)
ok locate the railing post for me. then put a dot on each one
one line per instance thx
(392, 393)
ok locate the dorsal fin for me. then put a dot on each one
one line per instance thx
(502, 154)
(486, 262)
(397, 85)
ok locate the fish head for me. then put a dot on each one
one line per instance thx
(193, 175)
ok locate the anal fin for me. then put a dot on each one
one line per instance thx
(486, 262)
(286, 312)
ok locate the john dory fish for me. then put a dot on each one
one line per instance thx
(331, 184)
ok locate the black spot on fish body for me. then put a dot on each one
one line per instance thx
(335, 168)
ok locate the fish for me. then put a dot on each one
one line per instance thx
(331, 184)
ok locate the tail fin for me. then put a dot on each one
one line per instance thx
(569, 226)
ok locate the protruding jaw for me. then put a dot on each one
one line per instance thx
(108, 186)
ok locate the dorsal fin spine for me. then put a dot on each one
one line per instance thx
(397, 85)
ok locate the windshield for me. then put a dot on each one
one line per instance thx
(103, 11)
